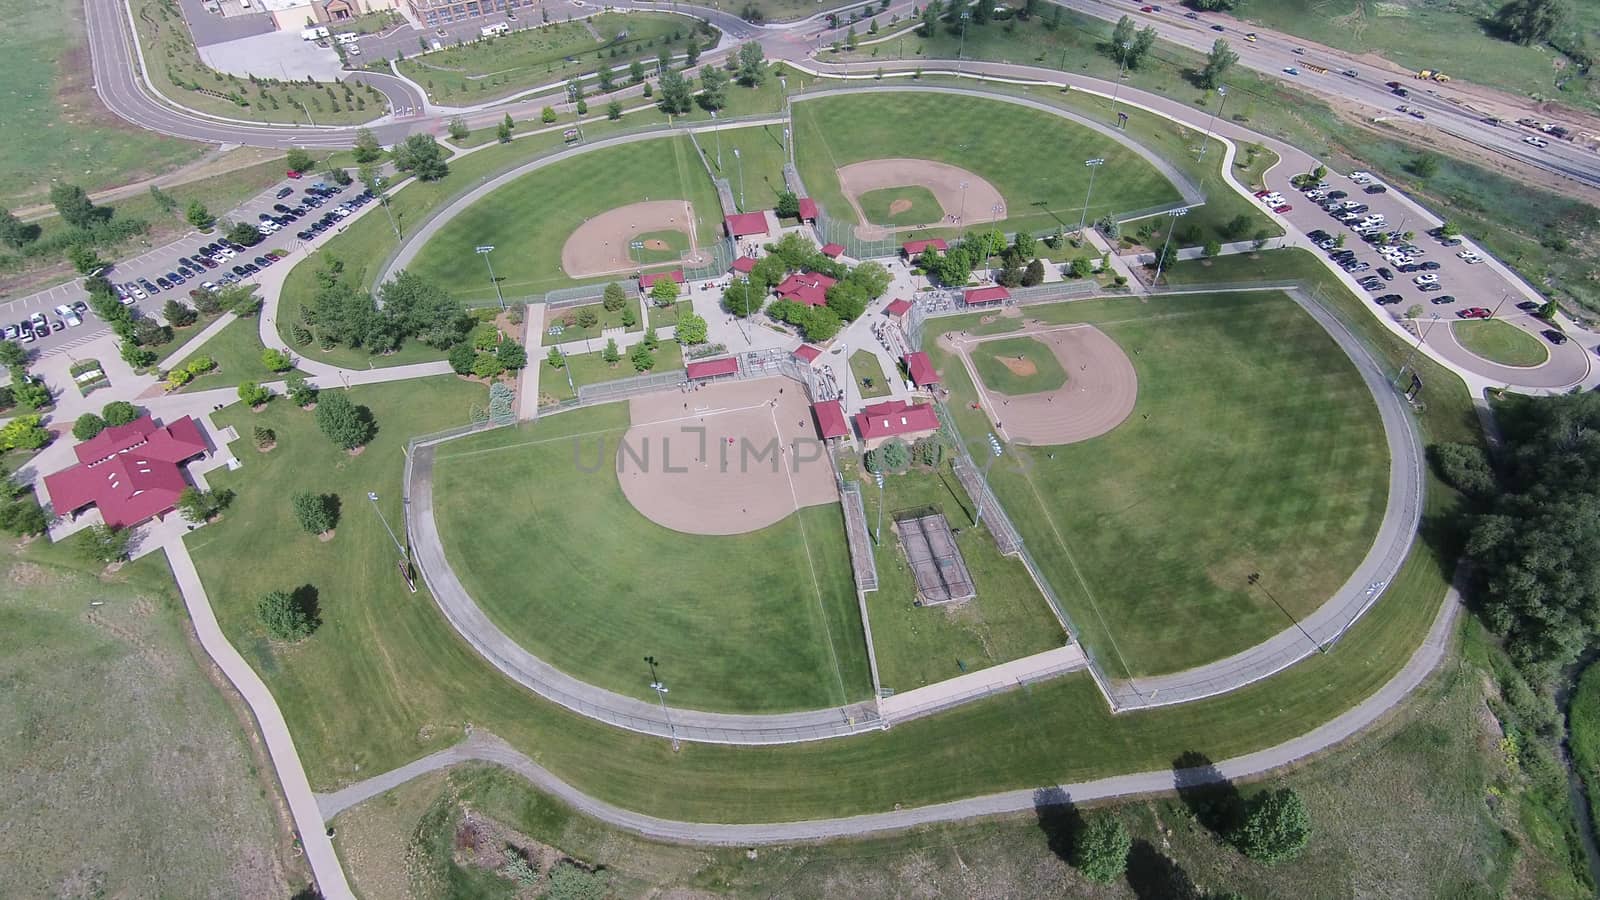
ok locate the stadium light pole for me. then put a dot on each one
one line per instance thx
(962, 50)
(994, 454)
(484, 251)
(661, 694)
(373, 496)
(1121, 70)
(740, 160)
(568, 370)
(1222, 90)
(1172, 226)
(1094, 166)
(717, 130)
(877, 537)
(963, 200)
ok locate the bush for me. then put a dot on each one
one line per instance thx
(1100, 848)
(285, 616)
(253, 394)
(24, 433)
(87, 426)
(1276, 828)
(316, 513)
(23, 517)
(264, 437)
(276, 360)
(1465, 467)
(119, 412)
(461, 358)
(102, 543)
(486, 365)
(896, 455)
(300, 391)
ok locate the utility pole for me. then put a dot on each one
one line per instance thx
(568, 370)
(1094, 166)
(983, 480)
(717, 130)
(484, 252)
(661, 694)
(1172, 226)
(961, 51)
(1222, 89)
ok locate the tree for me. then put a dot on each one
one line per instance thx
(104, 544)
(847, 299)
(316, 513)
(872, 278)
(12, 354)
(573, 882)
(23, 516)
(641, 357)
(30, 393)
(244, 233)
(896, 455)
(1218, 61)
(299, 160)
(650, 340)
(547, 116)
(461, 358)
(199, 216)
(367, 150)
(982, 13)
(1425, 165)
(120, 412)
(1531, 21)
(1212, 248)
(691, 328)
(24, 433)
(587, 317)
(14, 232)
(611, 354)
(1450, 230)
(1122, 38)
(84, 258)
(676, 97)
(1142, 43)
(198, 506)
(930, 19)
(582, 107)
(664, 292)
(178, 314)
(1080, 268)
(1024, 247)
(300, 391)
(614, 110)
(742, 298)
(1465, 467)
(1275, 828)
(422, 156)
(629, 317)
(417, 307)
(613, 297)
(1033, 274)
(285, 616)
(555, 359)
(253, 394)
(606, 79)
(503, 134)
(87, 426)
(347, 425)
(788, 205)
(692, 51)
(752, 64)
(511, 355)
(820, 323)
(713, 88)
(636, 72)
(75, 208)
(1100, 848)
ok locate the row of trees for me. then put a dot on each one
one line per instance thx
(412, 308)
(677, 93)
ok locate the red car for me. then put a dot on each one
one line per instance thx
(1282, 209)
(1260, 194)
(1147, 9)
(292, 174)
(1473, 312)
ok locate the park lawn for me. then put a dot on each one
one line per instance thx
(571, 331)
(492, 68)
(1500, 342)
(664, 316)
(68, 136)
(236, 350)
(867, 372)
(990, 359)
(917, 646)
(591, 368)
(1248, 414)
(998, 141)
(735, 623)
(757, 171)
(126, 769)
(530, 219)
(922, 209)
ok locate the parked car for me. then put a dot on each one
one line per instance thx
(284, 192)
(1473, 312)
(1443, 299)
(1385, 273)
(1529, 306)
(1425, 278)
(1388, 299)
(1430, 287)
(1377, 189)
(1554, 336)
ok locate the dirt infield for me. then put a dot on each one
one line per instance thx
(677, 467)
(600, 245)
(983, 200)
(1100, 392)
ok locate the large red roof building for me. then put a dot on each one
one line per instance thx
(129, 472)
(893, 418)
(746, 224)
(810, 288)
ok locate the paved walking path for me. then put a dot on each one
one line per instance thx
(274, 731)
(487, 748)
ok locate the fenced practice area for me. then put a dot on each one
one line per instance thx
(936, 564)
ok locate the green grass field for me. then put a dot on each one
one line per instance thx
(758, 169)
(591, 368)
(127, 774)
(68, 135)
(500, 67)
(1500, 342)
(920, 206)
(1001, 142)
(1249, 414)
(867, 372)
(572, 331)
(236, 349)
(530, 219)
(578, 576)
(675, 244)
(994, 361)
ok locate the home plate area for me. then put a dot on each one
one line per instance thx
(724, 458)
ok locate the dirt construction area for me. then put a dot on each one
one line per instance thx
(724, 458)
(983, 202)
(600, 245)
(1099, 394)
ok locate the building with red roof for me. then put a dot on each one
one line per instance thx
(810, 288)
(897, 307)
(921, 369)
(808, 209)
(713, 368)
(744, 265)
(648, 280)
(831, 422)
(807, 353)
(985, 296)
(130, 472)
(833, 251)
(745, 224)
(895, 418)
(915, 248)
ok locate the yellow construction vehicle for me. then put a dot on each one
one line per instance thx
(1432, 75)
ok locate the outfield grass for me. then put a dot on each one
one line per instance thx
(991, 358)
(530, 219)
(732, 618)
(917, 646)
(1249, 414)
(761, 158)
(236, 350)
(127, 774)
(500, 67)
(867, 372)
(1000, 142)
(922, 209)
(1500, 342)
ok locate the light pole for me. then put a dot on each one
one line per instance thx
(1222, 90)
(1496, 311)
(634, 248)
(568, 370)
(962, 49)
(877, 537)
(1126, 46)
(1094, 166)
(963, 201)
(1172, 226)
(994, 454)
(661, 694)
(740, 160)
(717, 130)
(484, 252)
(373, 496)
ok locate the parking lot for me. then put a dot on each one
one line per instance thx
(157, 263)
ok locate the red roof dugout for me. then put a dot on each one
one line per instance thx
(830, 418)
(713, 368)
(746, 224)
(913, 248)
(921, 369)
(648, 281)
(986, 295)
(808, 209)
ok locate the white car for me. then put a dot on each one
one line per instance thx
(72, 319)
(226, 253)
(1535, 142)
(1361, 177)
(1470, 256)
(1426, 278)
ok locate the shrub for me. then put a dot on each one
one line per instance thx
(119, 412)
(1276, 828)
(253, 394)
(300, 391)
(487, 365)
(276, 360)
(265, 437)
(461, 358)
(1100, 849)
(87, 426)
(285, 617)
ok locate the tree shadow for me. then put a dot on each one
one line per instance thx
(305, 596)
(370, 421)
(335, 508)
(1155, 876)
(1212, 799)
(1059, 819)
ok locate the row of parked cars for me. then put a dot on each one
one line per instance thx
(318, 194)
(39, 325)
(203, 259)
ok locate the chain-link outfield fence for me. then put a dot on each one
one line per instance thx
(622, 388)
(719, 255)
(859, 534)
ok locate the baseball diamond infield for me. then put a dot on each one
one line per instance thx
(600, 245)
(1099, 394)
(979, 201)
(723, 458)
